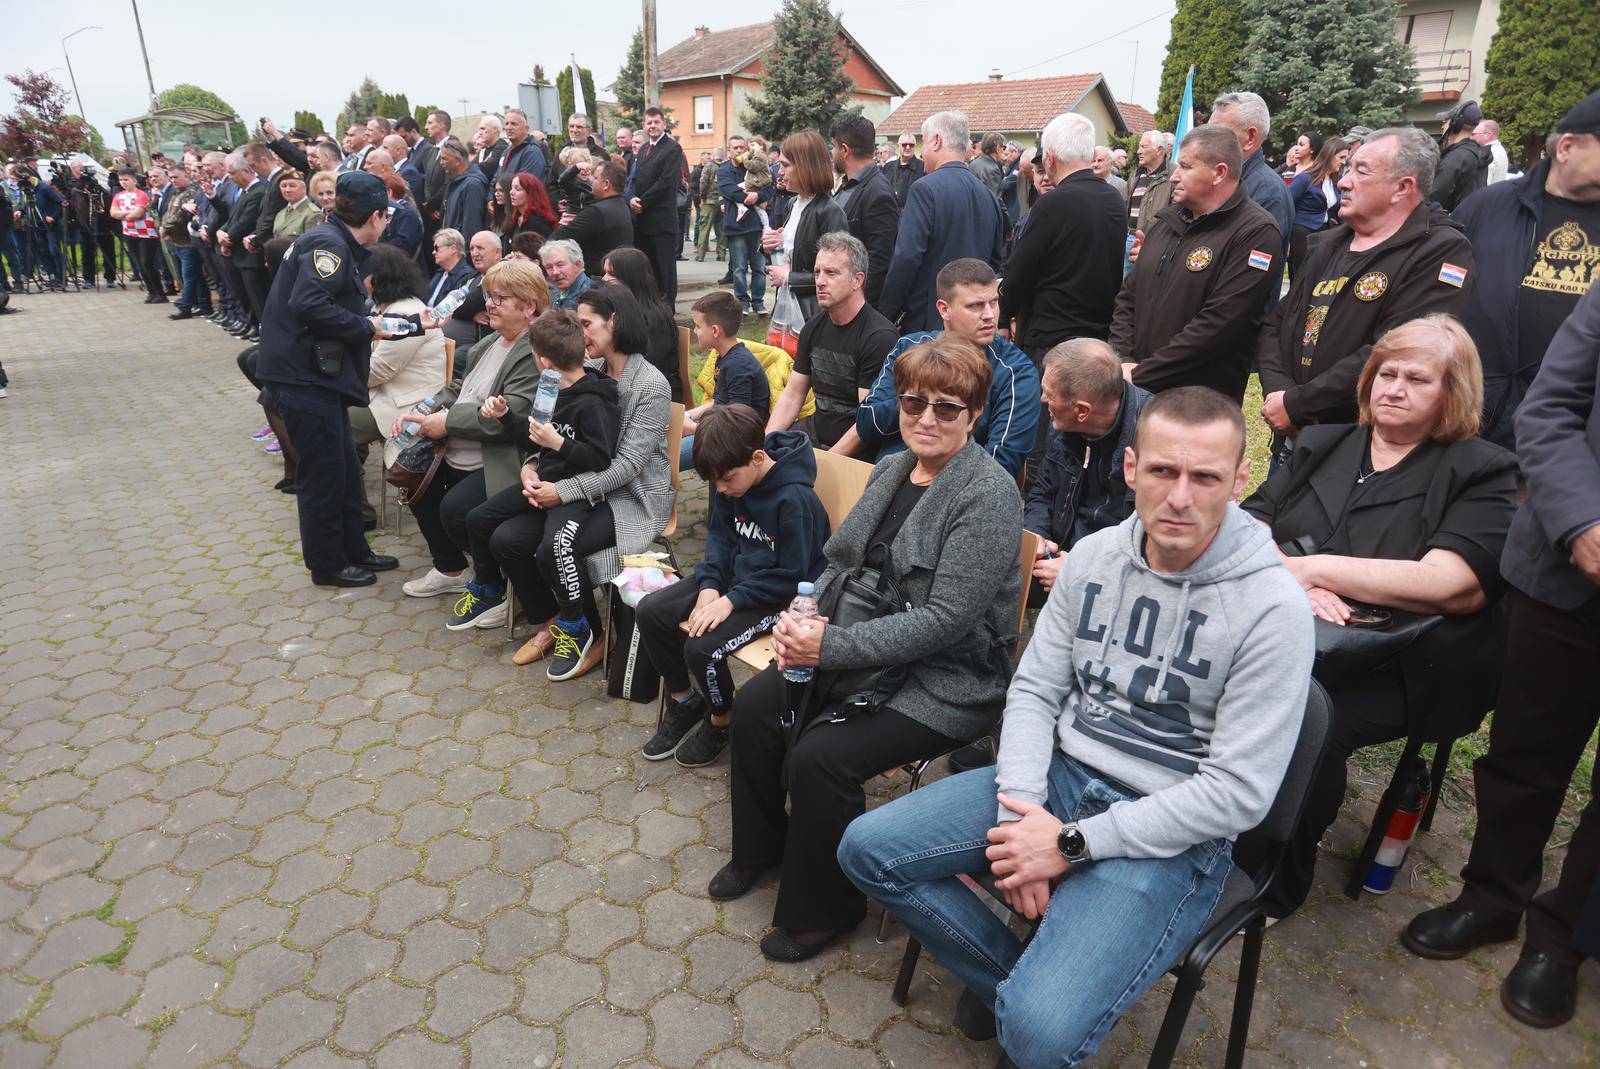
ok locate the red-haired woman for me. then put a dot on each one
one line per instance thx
(530, 212)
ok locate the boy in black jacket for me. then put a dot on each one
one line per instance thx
(539, 547)
(740, 378)
(763, 538)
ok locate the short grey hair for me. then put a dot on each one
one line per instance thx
(492, 119)
(951, 126)
(580, 116)
(567, 245)
(847, 243)
(1249, 109)
(452, 237)
(1415, 154)
(1069, 138)
(1084, 369)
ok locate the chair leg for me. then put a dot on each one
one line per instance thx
(908, 969)
(883, 926)
(1166, 1045)
(1380, 820)
(1441, 767)
(511, 611)
(1244, 993)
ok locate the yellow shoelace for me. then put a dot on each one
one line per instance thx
(566, 643)
(465, 603)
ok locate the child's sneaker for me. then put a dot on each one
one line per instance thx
(575, 641)
(473, 603)
(704, 746)
(677, 720)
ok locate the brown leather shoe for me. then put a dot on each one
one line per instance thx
(592, 659)
(538, 646)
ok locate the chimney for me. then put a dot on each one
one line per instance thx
(702, 31)
(995, 75)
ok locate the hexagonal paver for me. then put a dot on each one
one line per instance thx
(599, 1037)
(593, 925)
(686, 1028)
(179, 983)
(467, 995)
(81, 995)
(553, 984)
(635, 975)
(263, 972)
(773, 1017)
(284, 1025)
(434, 946)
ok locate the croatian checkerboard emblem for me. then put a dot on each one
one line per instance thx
(1371, 286)
(1452, 275)
(325, 263)
(1199, 259)
(1260, 260)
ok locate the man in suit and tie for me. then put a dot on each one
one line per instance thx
(658, 174)
(435, 181)
(248, 267)
(406, 167)
(356, 147)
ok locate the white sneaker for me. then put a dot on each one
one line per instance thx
(2, 391)
(436, 582)
(495, 617)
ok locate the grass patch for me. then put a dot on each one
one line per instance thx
(160, 1022)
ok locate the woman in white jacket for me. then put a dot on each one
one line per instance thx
(403, 370)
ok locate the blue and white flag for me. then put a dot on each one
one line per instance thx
(1185, 110)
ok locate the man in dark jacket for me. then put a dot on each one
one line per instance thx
(1062, 277)
(1463, 163)
(1190, 311)
(1392, 258)
(1537, 240)
(1546, 712)
(524, 154)
(491, 145)
(904, 169)
(1080, 486)
(948, 216)
(866, 197)
(605, 223)
(466, 199)
(1247, 116)
(656, 181)
(741, 228)
(315, 348)
(247, 268)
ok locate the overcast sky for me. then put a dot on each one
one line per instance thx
(277, 57)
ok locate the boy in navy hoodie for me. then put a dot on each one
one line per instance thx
(740, 378)
(763, 538)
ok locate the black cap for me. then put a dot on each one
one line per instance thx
(1583, 118)
(1466, 113)
(365, 192)
(298, 136)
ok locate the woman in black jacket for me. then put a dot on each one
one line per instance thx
(808, 174)
(1408, 511)
(631, 267)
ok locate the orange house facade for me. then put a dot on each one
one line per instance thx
(707, 82)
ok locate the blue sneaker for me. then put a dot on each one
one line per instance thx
(473, 603)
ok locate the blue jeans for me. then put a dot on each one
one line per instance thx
(1113, 927)
(196, 295)
(686, 454)
(1127, 264)
(744, 253)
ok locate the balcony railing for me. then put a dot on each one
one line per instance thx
(1444, 74)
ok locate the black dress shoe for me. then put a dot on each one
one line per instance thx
(350, 575)
(253, 334)
(158, 299)
(286, 484)
(780, 944)
(240, 331)
(184, 314)
(377, 562)
(975, 1020)
(725, 280)
(732, 882)
(1540, 991)
(152, 298)
(976, 754)
(1451, 932)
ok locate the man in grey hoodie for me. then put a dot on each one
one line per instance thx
(1149, 724)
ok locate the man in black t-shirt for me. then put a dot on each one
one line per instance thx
(841, 351)
(1537, 239)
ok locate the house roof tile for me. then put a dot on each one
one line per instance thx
(1025, 104)
(1138, 119)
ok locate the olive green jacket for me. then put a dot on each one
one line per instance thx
(295, 219)
(505, 439)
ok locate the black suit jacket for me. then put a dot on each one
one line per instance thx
(291, 154)
(272, 202)
(873, 213)
(435, 182)
(242, 220)
(603, 225)
(656, 179)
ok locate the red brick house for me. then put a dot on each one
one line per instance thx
(708, 80)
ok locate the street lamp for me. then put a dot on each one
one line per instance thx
(70, 75)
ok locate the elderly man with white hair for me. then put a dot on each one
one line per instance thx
(562, 260)
(1247, 116)
(492, 146)
(949, 215)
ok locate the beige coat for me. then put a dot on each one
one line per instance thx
(404, 370)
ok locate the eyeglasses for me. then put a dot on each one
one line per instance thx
(494, 298)
(943, 411)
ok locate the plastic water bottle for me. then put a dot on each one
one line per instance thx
(408, 430)
(544, 401)
(452, 300)
(399, 326)
(803, 607)
(1401, 831)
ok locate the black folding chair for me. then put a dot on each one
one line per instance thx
(1239, 908)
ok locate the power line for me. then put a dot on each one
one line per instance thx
(1091, 44)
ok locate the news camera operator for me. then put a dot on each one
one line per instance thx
(89, 207)
(314, 352)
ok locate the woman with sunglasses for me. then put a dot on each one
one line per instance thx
(945, 521)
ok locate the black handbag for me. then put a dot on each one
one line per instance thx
(630, 673)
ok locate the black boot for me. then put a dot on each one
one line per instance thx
(1541, 990)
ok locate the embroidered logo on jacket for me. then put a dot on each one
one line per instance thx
(1199, 259)
(325, 263)
(1371, 286)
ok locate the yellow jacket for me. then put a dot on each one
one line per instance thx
(773, 360)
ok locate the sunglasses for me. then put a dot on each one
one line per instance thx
(943, 411)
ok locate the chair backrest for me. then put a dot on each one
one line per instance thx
(449, 361)
(840, 483)
(1029, 554)
(1268, 837)
(683, 365)
(674, 445)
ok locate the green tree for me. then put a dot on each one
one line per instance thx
(185, 95)
(803, 84)
(1544, 58)
(568, 105)
(1327, 66)
(629, 86)
(308, 121)
(392, 105)
(1210, 36)
(359, 105)
(420, 113)
(96, 146)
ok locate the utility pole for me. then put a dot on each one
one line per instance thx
(652, 74)
(148, 77)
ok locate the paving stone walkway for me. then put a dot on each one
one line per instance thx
(247, 821)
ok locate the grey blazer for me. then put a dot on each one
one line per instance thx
(956, 561)
(1558, 445)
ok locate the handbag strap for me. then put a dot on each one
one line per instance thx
(407, 497)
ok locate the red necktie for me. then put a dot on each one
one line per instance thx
(647, 149)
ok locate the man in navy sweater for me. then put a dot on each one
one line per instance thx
(949, 215)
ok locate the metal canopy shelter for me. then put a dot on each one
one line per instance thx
(167, 129)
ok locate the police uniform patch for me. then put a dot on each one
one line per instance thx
(1371, 286)
(1199, 259)
(325, 263)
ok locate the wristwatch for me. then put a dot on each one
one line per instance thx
(1073, 846)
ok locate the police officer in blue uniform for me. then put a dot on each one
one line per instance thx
(315, 347)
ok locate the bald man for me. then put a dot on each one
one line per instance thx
(400, 153)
